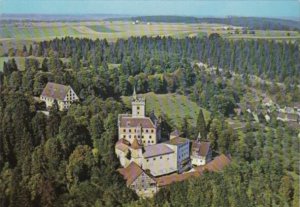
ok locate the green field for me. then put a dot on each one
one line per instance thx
(176, 107)
(101, 28)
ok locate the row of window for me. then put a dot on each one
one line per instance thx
(154, 158)
(143, 130)
(129, 136)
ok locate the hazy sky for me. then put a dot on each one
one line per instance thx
(264, 8)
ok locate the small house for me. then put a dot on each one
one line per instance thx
(63, 95)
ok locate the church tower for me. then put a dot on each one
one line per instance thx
(138, 106)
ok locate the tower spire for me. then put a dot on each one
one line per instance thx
(134, 94)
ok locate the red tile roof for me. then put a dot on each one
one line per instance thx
(201, 148)
(169, 179)
(55, 91)
(122, 145)
(131, 172)
(216, 165)
(127, 121)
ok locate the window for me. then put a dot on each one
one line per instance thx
(129, 130)
(152, 130)
(129, 136)
(146, 130)
(148, 141)
(154, 158)
(124, 130)
(124, 136)
(160, 157)
(150, 137)
(147, 160)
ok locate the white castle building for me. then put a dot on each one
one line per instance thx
(139, 142)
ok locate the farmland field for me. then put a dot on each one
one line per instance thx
(16, 35)
(176, 107)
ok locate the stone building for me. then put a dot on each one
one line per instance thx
(139, 180)
(137, 126)
(201, 153)
(181, 147)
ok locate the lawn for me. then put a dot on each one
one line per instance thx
(175, 106)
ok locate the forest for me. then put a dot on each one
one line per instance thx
(67, 158)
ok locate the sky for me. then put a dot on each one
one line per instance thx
(216, 8)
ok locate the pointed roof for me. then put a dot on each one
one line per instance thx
(135, 144)
(134, 94)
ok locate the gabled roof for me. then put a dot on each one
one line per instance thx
(122, 145)
(157, 150)
(56, 91)
(201, 148)
(128, 121)
(131, 172)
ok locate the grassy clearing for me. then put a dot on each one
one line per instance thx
(176, 107)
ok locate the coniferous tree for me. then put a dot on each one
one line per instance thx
(201, 125)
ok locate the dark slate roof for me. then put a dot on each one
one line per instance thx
(55, 91)
(131, 172)
(201, 148)
(177, 141)
(157, 150)
(128, 121)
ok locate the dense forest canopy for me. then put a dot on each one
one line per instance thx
(67, 158)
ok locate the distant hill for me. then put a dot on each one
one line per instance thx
(250, 22)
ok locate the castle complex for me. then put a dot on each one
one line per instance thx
(148, 163)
